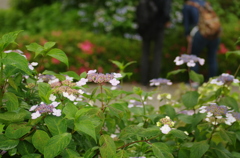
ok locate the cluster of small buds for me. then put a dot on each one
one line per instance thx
(66, 88)
(135, 103)
(160, 81)
(224, 79)
(166, 124)
(219, 114)
(93, 76)
(45, 109)
(191, 60)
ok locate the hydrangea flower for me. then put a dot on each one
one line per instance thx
(190, 60)
(45, 109)
(31, 65)
(134, 103)
(160, 81)
(166, 125)
(224, 79)
(100, 78)
(219, 114)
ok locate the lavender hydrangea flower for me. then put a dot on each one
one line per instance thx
(43, 108)
(224, 79)
(190, 60)
(160, 81)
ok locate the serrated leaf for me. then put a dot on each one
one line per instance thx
(122, 154)
(44, 91)
(87, 127)
(16, 131)
(221, 151)
(40, 139)
(10, 117)
(6, 143)
(21, 62)
(56, 125)
(199, 149)
(107, 146)
(196, 77)
(130, 131)
(34, 47)
(161, 150)
(178, 134)
(11, 101)
(68, 153)
(230, 102)
(149, 132)
(56, 145)
(228, 136)
(25, 148)
(8, 39)
(190, 99)
(175, 72)
(58, 54)
(70, 111)
(32, 156)
(49, 45)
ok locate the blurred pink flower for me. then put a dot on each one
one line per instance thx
(55, 61)
(86, 47)
(222, 49)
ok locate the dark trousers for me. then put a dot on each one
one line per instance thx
(151, 57)
(198, 44)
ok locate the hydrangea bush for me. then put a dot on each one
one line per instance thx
(60, 115)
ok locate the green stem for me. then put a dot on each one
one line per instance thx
(237, 71)
(1, 80)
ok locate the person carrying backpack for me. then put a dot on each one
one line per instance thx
(202, 32)
(152, 17)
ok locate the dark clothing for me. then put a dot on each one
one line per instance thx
(190, 20)
(152, 38)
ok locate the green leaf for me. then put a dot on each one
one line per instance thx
(70, 111)
(87, 127)
(228, 136)
(6, 143)
(1, 128)
(168, 110)
(149, 132)
(69, 153)
(58, 54)
(25, 148)
(8, 39)
(10, 117)
(178, 134)
(11, 101)
(122, 154)
(190, 99)
(117, 110)
(34, 47)
(199, 149)
(49, 45)
(56, 125)
(107, 146)
(16, 131)
(161, 150)
(221, 151)
(71, 74)
(130, 131)
(230, 102)
(32, 156)
(237, 52)
(44, 91)
(175, 72)
(39, 140)
(196, 77)
(56, 145)
(21, 62)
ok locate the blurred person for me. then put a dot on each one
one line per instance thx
(196, 39)
(152, 34)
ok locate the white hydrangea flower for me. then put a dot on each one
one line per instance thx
(82, 82)
(117, 75)
(202, 109)
(53, 81)
(69, 78)
(52, 97)
(165, 129)
(91, 71)
(35, 115)
(191, 63)
(229, 119)
(114, 82)
(57, 112)
(33, 107)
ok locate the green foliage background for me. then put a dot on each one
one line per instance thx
(72, 22)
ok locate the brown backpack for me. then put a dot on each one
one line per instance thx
(209, 24)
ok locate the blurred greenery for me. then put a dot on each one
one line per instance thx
(109, 29)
